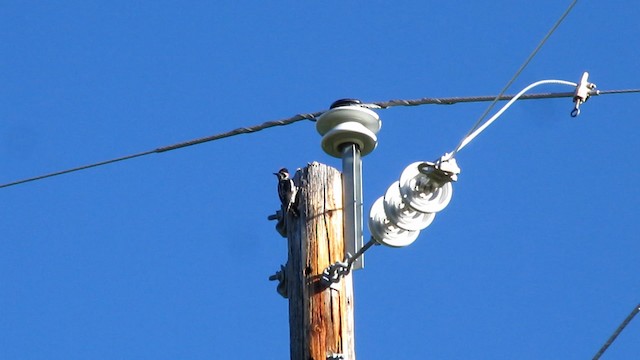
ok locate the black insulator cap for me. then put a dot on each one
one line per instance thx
(345, 102)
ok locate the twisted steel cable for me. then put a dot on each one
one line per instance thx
(312, 117)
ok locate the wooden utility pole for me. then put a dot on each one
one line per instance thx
(320, 317)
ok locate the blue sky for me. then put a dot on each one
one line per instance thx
(167, 256)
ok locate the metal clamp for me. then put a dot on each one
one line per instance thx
(582, 93)
(334, 272)
(444, 170)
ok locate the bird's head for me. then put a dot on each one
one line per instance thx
(282, 174)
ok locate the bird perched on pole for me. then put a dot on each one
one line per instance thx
(287, 192)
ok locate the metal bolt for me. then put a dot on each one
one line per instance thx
(345, 102)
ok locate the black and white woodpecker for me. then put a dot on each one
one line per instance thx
(286, 192)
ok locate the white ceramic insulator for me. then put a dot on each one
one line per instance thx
(401, 214)
(385, 232)
(421, 192)
(345, 125)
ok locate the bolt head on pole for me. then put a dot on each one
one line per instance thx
(347, 123)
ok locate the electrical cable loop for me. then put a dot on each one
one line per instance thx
(475, 132)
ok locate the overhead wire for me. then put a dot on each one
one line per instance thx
(468, 99)
(518, 72)
(79, 168)
(472, 99)
(238, 131)
(312, 117)
(486, 124)
(615, 334)
(242, 130)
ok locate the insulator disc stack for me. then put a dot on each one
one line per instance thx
(408, 206)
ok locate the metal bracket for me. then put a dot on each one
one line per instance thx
(281, 226)
(442, 171)
(281, 277)
(352, 199)
(335, 357)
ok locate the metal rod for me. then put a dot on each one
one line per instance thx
(352, 199)
(360, 253)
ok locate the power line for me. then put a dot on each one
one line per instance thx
(243, 130)
(239, 131)
(481, 128)
(518, 72)
(79, 168)
(615, 334)
(472, 99)
(311, 117)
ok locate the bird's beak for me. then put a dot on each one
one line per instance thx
(275, 174)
